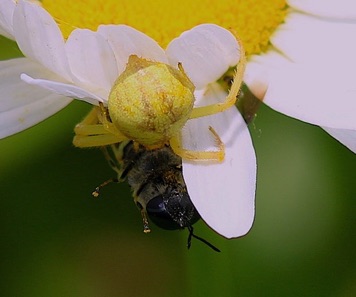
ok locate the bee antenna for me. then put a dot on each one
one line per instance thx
(191, 234)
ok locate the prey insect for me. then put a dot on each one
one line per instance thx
(159, 190)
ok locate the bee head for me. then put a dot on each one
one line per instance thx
(172, 209)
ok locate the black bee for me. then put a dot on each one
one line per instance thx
(156, 179)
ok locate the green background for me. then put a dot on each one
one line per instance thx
(57, 240)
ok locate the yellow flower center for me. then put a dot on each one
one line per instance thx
(253, 20)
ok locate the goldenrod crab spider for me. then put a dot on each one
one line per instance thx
(150, 103)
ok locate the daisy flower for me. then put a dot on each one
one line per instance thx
(301, 52)
(309, 71)
(72, 60)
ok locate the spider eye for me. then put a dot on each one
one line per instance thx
(158, 214)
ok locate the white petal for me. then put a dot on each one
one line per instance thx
(63, 89)
(23, 117)
(23, 105)
(39, 37)
(257, 67)
(126, 41)
(12, 94)
(306, 39)
(321, 96)
(7, 8)
(341, 9)
(223, 193)
(346, 137)
(206, 53)
(91, 59)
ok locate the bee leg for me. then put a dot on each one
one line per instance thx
(111, 160)
(105, 183)
(218, 155)
(146, 227)
(231, 98)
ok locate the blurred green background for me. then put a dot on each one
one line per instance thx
(57, 240)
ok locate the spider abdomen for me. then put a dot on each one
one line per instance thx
(151, 101)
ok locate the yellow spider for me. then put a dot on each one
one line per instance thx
(150, 103)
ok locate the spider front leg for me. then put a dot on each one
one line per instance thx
(231, 98)
(219, 155)
(91, 132)
(203, 111)
(105, 119)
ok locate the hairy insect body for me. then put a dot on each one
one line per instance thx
(156, 179)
